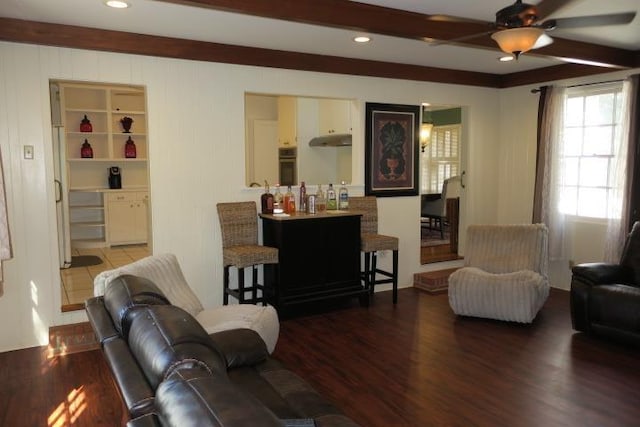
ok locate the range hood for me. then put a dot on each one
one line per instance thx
(331, 140)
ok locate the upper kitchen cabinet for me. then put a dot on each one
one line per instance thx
(334, 116)
(104, 126)
(287, 121)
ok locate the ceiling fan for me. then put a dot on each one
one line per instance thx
(521, 27)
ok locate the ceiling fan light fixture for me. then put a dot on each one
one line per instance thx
(516, 41)
(117, 4)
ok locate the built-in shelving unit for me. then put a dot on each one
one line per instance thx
(104, 106)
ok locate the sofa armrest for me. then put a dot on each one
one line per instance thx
(100, 320)
(602, 273)
(146, 420)
(240, 347)
(134, 389)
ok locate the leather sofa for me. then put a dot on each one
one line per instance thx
(605, 298)
(171, 372)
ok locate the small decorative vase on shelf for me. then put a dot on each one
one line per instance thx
(85, 125)
(126, 124)
(86, 152)
(130, 149)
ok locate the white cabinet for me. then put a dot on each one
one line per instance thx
(127, 217)
(287, 121)
(87, 219)
(334, 116)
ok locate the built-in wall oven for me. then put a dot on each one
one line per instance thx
(287, 165)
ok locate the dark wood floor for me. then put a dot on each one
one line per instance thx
(414, 364)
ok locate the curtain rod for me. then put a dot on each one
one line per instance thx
(584, 84)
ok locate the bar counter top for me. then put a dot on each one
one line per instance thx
(303, 215)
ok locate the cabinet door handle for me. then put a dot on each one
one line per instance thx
(58, 190)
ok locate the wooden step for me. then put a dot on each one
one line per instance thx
(434, 282)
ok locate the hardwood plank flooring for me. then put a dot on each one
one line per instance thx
(415, 364)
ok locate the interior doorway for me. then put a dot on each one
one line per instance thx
(100, 147)
(441, 183)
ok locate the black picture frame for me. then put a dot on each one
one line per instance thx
(392, 139)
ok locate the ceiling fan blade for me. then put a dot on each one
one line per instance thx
(593, 21)
(460, 39)
(547, 7)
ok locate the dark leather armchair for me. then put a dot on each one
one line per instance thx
(605, 298)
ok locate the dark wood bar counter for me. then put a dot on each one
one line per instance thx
(319, 257)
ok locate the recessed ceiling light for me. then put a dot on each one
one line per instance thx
(117, 4)
(362, 39)
(506, 58)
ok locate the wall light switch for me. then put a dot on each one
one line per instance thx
(28, 152)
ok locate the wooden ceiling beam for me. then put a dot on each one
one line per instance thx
(141, 44)
(411, 25)
(15, 30)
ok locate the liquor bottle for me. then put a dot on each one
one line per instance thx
(343, 197)
(321, 202)
(289, 201)
(266, 200)
(332, 203)
(302, 207)
(277, 200)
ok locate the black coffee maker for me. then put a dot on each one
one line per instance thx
(115, 179)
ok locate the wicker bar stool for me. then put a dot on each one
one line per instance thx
(240, 249)
(371, 242)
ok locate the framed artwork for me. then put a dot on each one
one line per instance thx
(392, 150)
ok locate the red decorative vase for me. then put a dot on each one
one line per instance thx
(86, 152)
(130, 149)
(85, 125)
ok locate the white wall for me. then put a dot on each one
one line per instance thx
(196, 152)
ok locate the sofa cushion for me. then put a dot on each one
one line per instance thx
(616, 306)
(127, 292)
(165, 337)
(240, 347)
(209, 401)
(263, 320)
(514, 297)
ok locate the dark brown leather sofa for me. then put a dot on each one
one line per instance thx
(605, 298)
(170, 372)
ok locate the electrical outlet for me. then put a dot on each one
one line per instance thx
(28, 152)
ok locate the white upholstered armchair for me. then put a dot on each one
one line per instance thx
(505, 273)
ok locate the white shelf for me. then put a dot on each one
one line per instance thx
(104, 105)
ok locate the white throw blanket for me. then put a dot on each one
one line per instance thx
(164, 271)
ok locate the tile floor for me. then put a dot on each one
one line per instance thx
(77, 283)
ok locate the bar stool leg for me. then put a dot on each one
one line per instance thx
(365, 273)
(374, 267)
(254, 285)
(225, 285)
(395, 277)
(240, 285)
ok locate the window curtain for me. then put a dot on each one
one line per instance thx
(547, 185)
(5, 240)
(620, 212)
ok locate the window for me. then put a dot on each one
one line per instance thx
(590, 131)
(441, 158)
